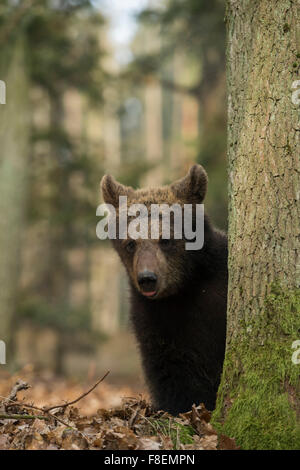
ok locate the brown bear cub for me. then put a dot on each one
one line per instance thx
(178, 298)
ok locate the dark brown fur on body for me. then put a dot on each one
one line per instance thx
(181, 328)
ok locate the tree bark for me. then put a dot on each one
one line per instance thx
(259, 396)
(14, 157)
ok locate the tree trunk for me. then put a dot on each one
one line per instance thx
(14, 138)
(259, 396)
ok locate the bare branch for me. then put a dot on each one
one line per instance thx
(64, 405)
(20, 385)
(20, 416)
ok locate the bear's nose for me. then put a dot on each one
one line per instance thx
(147, 281)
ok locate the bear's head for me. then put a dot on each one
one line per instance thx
(157, 266)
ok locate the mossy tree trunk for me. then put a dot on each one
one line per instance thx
(259, 396)
(14, 163)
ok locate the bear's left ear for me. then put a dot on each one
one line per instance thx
(111, 190)
(192, 187)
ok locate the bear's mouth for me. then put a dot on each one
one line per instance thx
(149, 294)
(147, 283)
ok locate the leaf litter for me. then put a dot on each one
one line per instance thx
(29, 422)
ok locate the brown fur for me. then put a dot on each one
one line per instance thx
(148, 253)
(181, 328)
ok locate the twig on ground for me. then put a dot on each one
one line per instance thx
(20, 416)
(20, 385)
(68, 403)
(12, 397)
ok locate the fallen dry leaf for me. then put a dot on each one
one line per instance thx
(131, 424)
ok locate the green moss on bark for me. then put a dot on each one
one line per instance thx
(259, 396)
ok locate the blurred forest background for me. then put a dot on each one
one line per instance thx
(95, 87)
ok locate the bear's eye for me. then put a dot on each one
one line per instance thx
(130, 247)
(166, 243)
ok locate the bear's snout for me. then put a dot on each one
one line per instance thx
(147, 281)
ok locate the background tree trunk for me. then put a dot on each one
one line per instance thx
(14, 138)
(259, 401)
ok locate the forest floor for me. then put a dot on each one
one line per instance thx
(49, 413)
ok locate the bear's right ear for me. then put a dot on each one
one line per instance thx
(192, 187)
(111, 190)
